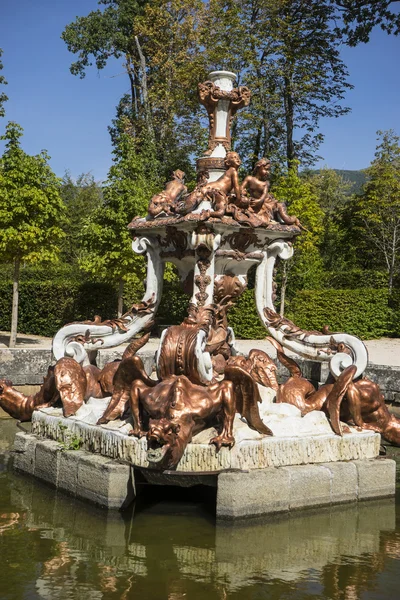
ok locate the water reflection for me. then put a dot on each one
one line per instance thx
(54, 547)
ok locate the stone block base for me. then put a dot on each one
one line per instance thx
(110, 483)
(274, 490)
(100, 480)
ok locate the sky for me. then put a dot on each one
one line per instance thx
(68, 116)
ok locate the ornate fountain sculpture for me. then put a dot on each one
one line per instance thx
(213, 235)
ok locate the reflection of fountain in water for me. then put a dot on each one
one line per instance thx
(98, 553)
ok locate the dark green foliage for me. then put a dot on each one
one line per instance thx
(46, 306)
(357, 18)
(173, 306)
(361, 312)
(354, 279)
(244, 319)
(356, 178)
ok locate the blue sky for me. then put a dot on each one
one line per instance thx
(69, 117)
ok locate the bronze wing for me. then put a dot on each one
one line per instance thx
(247, 397)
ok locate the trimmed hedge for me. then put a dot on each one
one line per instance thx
(46, 306)
(365, 313)
(244, 319)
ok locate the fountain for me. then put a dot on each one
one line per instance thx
(209, 416)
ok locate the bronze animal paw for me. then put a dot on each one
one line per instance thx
(223, 440)
(139, 433)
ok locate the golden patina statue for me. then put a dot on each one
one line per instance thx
(213, 235)
(165, 202)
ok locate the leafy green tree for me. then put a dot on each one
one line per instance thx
(333, 196)
(132, 180)
(376, 212)
(31, 210)
(81, 197)
(163, 70)
(286, 51)
(3, 97)
(355, 19)
(288, 54)
(305, 269)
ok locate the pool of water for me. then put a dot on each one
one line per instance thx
(170, 547)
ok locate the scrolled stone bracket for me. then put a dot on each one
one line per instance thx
(339, 349)
(78, 339)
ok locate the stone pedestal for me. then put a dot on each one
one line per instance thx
(256, 477)
(110, 484)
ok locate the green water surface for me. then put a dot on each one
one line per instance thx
(170, 547)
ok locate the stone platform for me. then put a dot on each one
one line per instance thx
(111, 483)
(294, 441)
(260, 475)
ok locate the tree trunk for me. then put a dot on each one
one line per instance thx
(120, 298)
(14, 313)
(289, 119)
(143, 87)
(283, 288)
(257, 146)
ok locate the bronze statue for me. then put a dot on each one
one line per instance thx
(19, 406)
(171, 410)
(217, 192)
(256, 206)
(67, 381)
(357, 402)
(363, 404)
(260, 366)
(178, 409)
(164, 203)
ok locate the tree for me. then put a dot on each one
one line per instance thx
(357, 18)
(306, 266)
(376, 212)
(288, 54)
(31, 210)
(3, 97)
(333, 196)
(132, 180)
(163, 71)
(81, 198)
(286, 51)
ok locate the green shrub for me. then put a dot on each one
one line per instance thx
(355, 279)
(244, 319)
(45, 306)
(173, 305)
(361, 312)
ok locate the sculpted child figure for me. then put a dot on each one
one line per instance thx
(216, 191)
(257, 206)
(165, 201)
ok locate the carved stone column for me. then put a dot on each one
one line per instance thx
(222, 101)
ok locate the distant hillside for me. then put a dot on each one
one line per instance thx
(356, 178)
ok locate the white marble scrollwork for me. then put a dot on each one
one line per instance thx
(93, 336)
(310, 345)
